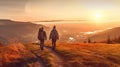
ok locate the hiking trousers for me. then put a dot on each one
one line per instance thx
(42, 44)
(53, 44)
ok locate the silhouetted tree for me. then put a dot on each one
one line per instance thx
(108, 40)
(115, 40)
(89, 40)
(119, 39)
(84, 41)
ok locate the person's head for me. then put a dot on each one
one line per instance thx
(54, 27)
(41, 28)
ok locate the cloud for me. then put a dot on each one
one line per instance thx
(12, 3)
(12, 8)
(56, 9)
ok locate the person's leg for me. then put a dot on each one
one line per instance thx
(54, 44)
(41, 44)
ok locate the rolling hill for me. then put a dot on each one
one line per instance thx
(15, 31)
(103, 35)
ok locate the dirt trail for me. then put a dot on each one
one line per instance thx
(58, 59)
(39, 62)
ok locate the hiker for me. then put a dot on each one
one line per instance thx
(42, 37)
(54, 36)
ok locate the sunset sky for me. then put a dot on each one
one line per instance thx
(99, 11)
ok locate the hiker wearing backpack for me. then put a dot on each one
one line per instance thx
(54, 36)
(42, 37)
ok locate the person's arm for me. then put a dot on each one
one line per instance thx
(38, 34)
(45, 35)
(58, 36)
(50, 35)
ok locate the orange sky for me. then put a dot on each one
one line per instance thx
(94, 11)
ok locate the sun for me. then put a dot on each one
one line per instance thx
(98, 18)
(98, 15)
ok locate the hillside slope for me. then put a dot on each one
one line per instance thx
(103, 35)
(13, 31)
(89, 55)
(65, 55)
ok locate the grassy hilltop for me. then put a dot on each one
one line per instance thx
(71, 55)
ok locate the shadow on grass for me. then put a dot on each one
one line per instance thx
(95, 64)
(114, 59)
(19, 62)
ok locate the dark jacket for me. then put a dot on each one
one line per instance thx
(42, 35)
(54, 35)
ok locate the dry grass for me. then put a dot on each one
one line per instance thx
(90, 55)
(73, 55)
(46, 56)
(14, 55)
(19, 55)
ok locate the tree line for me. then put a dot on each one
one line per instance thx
(109, 40)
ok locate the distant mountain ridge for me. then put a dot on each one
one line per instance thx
(113, 33)
(16, 31)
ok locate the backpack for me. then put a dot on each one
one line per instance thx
(41, 35)
(54, 34)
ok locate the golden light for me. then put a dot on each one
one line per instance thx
(98, 15)
(98, 18)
